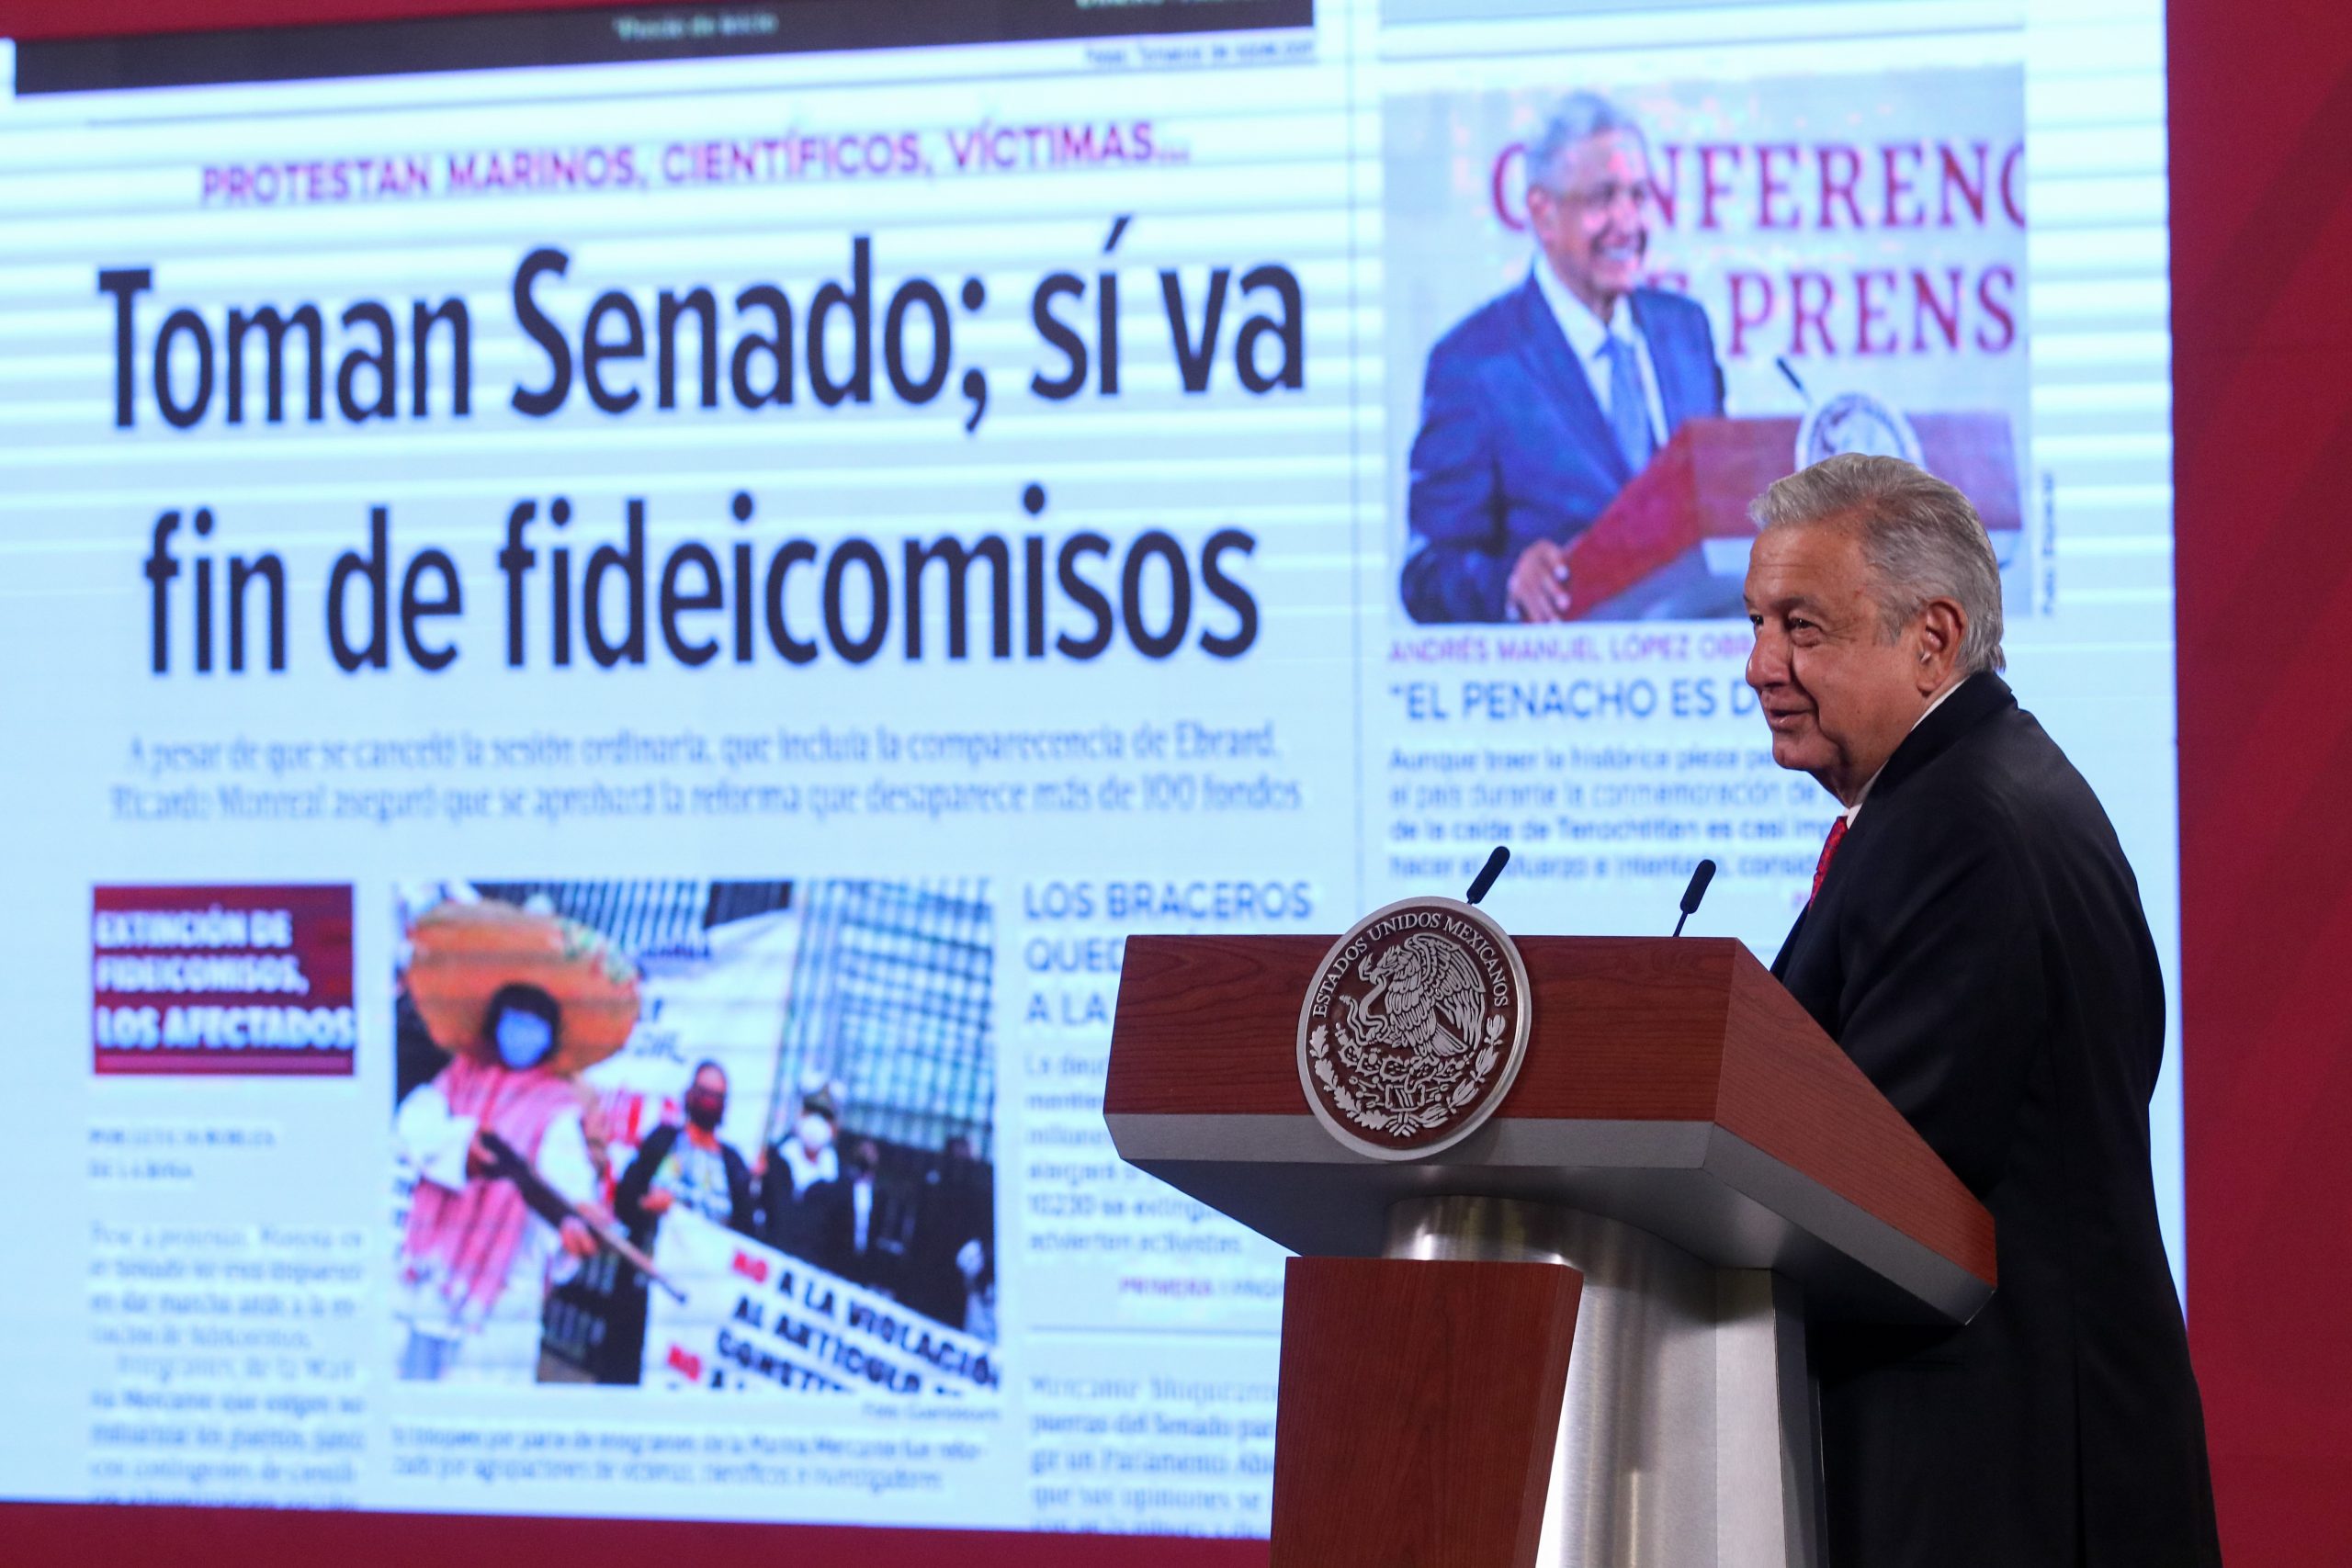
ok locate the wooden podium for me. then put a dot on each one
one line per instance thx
(1577, 1337)
(1674, 543)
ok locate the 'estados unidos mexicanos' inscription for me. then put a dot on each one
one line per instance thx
(1413, 1027)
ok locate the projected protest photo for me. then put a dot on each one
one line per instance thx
(1617, 311)
(699, 1135)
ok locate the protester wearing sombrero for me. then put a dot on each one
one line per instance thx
(476, 1261)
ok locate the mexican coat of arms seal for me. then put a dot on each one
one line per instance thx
(1413, 1027)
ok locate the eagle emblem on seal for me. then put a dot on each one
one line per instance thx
(1425, 1000)
(1414, 1025)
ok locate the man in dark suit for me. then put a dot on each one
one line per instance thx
(950, 1267)
(857, 1246)
(1542, 404)
(1975, 942)
(797, 1189)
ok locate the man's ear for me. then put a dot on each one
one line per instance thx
(1942, 626)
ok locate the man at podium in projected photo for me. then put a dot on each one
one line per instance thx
(1975, 942)
(1539, 406)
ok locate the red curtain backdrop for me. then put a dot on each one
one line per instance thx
(2261, 117)
(2261, 175)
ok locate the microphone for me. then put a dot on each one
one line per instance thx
(1486, 874)
(1789, 371)
(1700, 876)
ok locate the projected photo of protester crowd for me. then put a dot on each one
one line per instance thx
(696, 1135)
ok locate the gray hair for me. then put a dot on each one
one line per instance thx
(1920, 538)
(1575, 119)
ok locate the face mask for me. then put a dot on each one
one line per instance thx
(523, 1039)
(705, 1110)
(816, 1132)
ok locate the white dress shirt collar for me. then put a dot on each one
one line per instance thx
(1586, 331)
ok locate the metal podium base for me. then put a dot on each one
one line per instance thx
(1687, 1436)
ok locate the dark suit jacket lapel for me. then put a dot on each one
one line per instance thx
(1545, 349)
(1675, 395)
(1789, 945)
(1979, 697)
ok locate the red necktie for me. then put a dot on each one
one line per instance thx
(1828, 853)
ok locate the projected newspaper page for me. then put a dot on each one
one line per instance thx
(616, 618)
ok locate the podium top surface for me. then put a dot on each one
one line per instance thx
(1670, 1083)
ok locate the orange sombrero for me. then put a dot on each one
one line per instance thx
(462, 954)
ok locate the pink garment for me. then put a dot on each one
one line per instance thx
(464, 1241)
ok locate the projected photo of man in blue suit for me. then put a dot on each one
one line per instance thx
(1541, 405)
